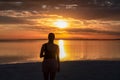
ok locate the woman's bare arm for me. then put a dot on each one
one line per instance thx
(42, 51)
(58, 58)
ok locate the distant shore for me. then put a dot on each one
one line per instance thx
(12, 40)
(70, 70)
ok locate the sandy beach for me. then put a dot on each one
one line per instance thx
(70, 70)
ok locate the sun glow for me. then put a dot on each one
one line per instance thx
(62, 51)
(61, 23)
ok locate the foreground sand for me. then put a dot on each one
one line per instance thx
(72, 70)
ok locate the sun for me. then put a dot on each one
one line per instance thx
(61, 23)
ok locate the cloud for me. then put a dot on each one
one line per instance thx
(12, 20)
(92, 31)
(81, 12)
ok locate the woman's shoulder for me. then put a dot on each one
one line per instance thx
(44, 44)
(56, 45)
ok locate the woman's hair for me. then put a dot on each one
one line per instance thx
(51, 36)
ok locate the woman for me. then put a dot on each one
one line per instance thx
(51, 62)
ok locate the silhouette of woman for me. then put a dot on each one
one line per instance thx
(51, 61)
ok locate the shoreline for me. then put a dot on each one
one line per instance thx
(70, 70)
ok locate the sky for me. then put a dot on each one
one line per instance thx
(34, 23)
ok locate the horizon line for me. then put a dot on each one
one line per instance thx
(56, 39)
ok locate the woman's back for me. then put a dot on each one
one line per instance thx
(50, 50)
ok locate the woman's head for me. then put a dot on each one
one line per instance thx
(51, 36)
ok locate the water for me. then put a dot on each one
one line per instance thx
(28, 51)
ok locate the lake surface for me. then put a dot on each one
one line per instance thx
(28, 51)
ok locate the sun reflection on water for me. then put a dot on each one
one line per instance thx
(62, 51)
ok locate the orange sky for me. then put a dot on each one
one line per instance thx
(28, 25)
(38, 35)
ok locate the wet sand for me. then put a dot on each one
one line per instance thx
(70, 70)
